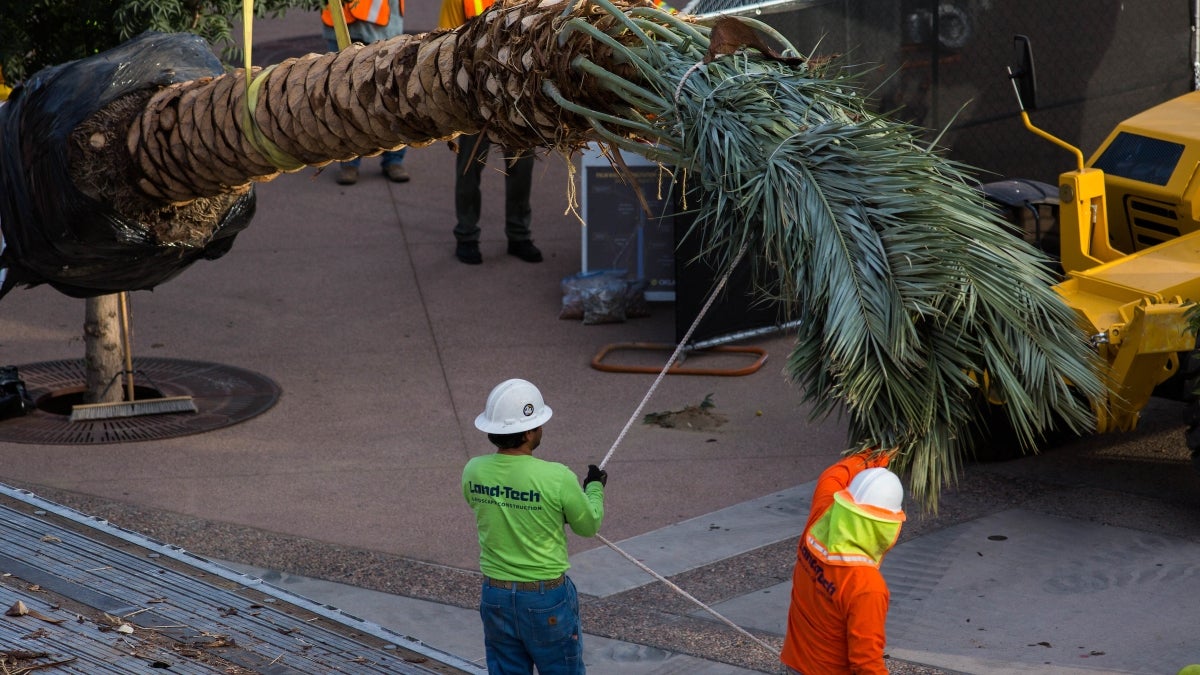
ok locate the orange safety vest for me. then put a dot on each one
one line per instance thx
(473, 8)
(373, 11)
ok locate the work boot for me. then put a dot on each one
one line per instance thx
(468, 252)
(525, 250)
(347, 175)
(396, 173)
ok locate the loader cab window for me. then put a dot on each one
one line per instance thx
(1136, 157)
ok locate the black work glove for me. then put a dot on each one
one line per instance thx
(595, 473)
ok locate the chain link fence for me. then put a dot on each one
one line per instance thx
(941, 64)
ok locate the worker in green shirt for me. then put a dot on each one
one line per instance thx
(529, 606)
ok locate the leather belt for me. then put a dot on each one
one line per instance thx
(547, 585)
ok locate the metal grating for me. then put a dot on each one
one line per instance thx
(708, 8)
(224, 395)
(188, 615)
(1141, 158)
(1152, 222)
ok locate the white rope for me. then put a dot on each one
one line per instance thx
(687, 595)
(678, 89)
(674, 356)
(666, 368)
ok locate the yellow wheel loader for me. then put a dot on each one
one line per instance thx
(1128, 239)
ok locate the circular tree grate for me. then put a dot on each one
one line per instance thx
(224, 395)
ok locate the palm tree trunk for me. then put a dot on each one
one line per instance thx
(103, 353)
(192, 140)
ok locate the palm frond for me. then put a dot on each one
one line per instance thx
(910, 291)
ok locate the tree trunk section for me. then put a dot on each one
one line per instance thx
(192, 139)
(103, 356)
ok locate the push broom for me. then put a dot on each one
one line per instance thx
(130, 407)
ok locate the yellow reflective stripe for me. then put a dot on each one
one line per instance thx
(824, 554)
(377, 6)
(475, 7)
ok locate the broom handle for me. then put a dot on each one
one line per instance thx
(126, 344)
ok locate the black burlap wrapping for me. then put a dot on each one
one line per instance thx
(53, 233)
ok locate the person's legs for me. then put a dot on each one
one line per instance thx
(518, 185)
(518, 214)
(390, 157)
(549, 624)
(348, 172)
(506, 655)
(393, 165)
(468, 170)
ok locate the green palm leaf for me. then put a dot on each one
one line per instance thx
(909, 290)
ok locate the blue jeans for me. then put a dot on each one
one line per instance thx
(389, 157)
(522, 629)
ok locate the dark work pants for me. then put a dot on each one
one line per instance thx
(518, 182)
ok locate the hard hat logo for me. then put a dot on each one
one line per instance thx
(513, 406)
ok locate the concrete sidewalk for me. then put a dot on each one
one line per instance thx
(990, 595)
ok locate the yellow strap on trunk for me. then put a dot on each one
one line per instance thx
(278, 158)
(340, 29)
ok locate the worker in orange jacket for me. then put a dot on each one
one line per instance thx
(368, 21)
(838, 612)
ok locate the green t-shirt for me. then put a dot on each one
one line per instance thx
(521, 503)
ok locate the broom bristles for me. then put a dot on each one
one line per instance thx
(89, 412)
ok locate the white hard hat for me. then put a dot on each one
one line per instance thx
(878, 487)
(513, 406)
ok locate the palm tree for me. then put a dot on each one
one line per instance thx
(913, 300)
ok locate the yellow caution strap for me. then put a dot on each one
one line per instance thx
(278, 158)
(340, 30)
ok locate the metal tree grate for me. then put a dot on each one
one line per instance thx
(224, 395)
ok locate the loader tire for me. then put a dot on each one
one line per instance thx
(1191, 405)
(996, 441)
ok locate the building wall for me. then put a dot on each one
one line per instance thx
(1097, 62)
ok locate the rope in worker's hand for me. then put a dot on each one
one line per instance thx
(638, 411)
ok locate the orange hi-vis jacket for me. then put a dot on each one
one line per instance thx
(377, 12)
(838, 614)
(455, 13)
(473, 8)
